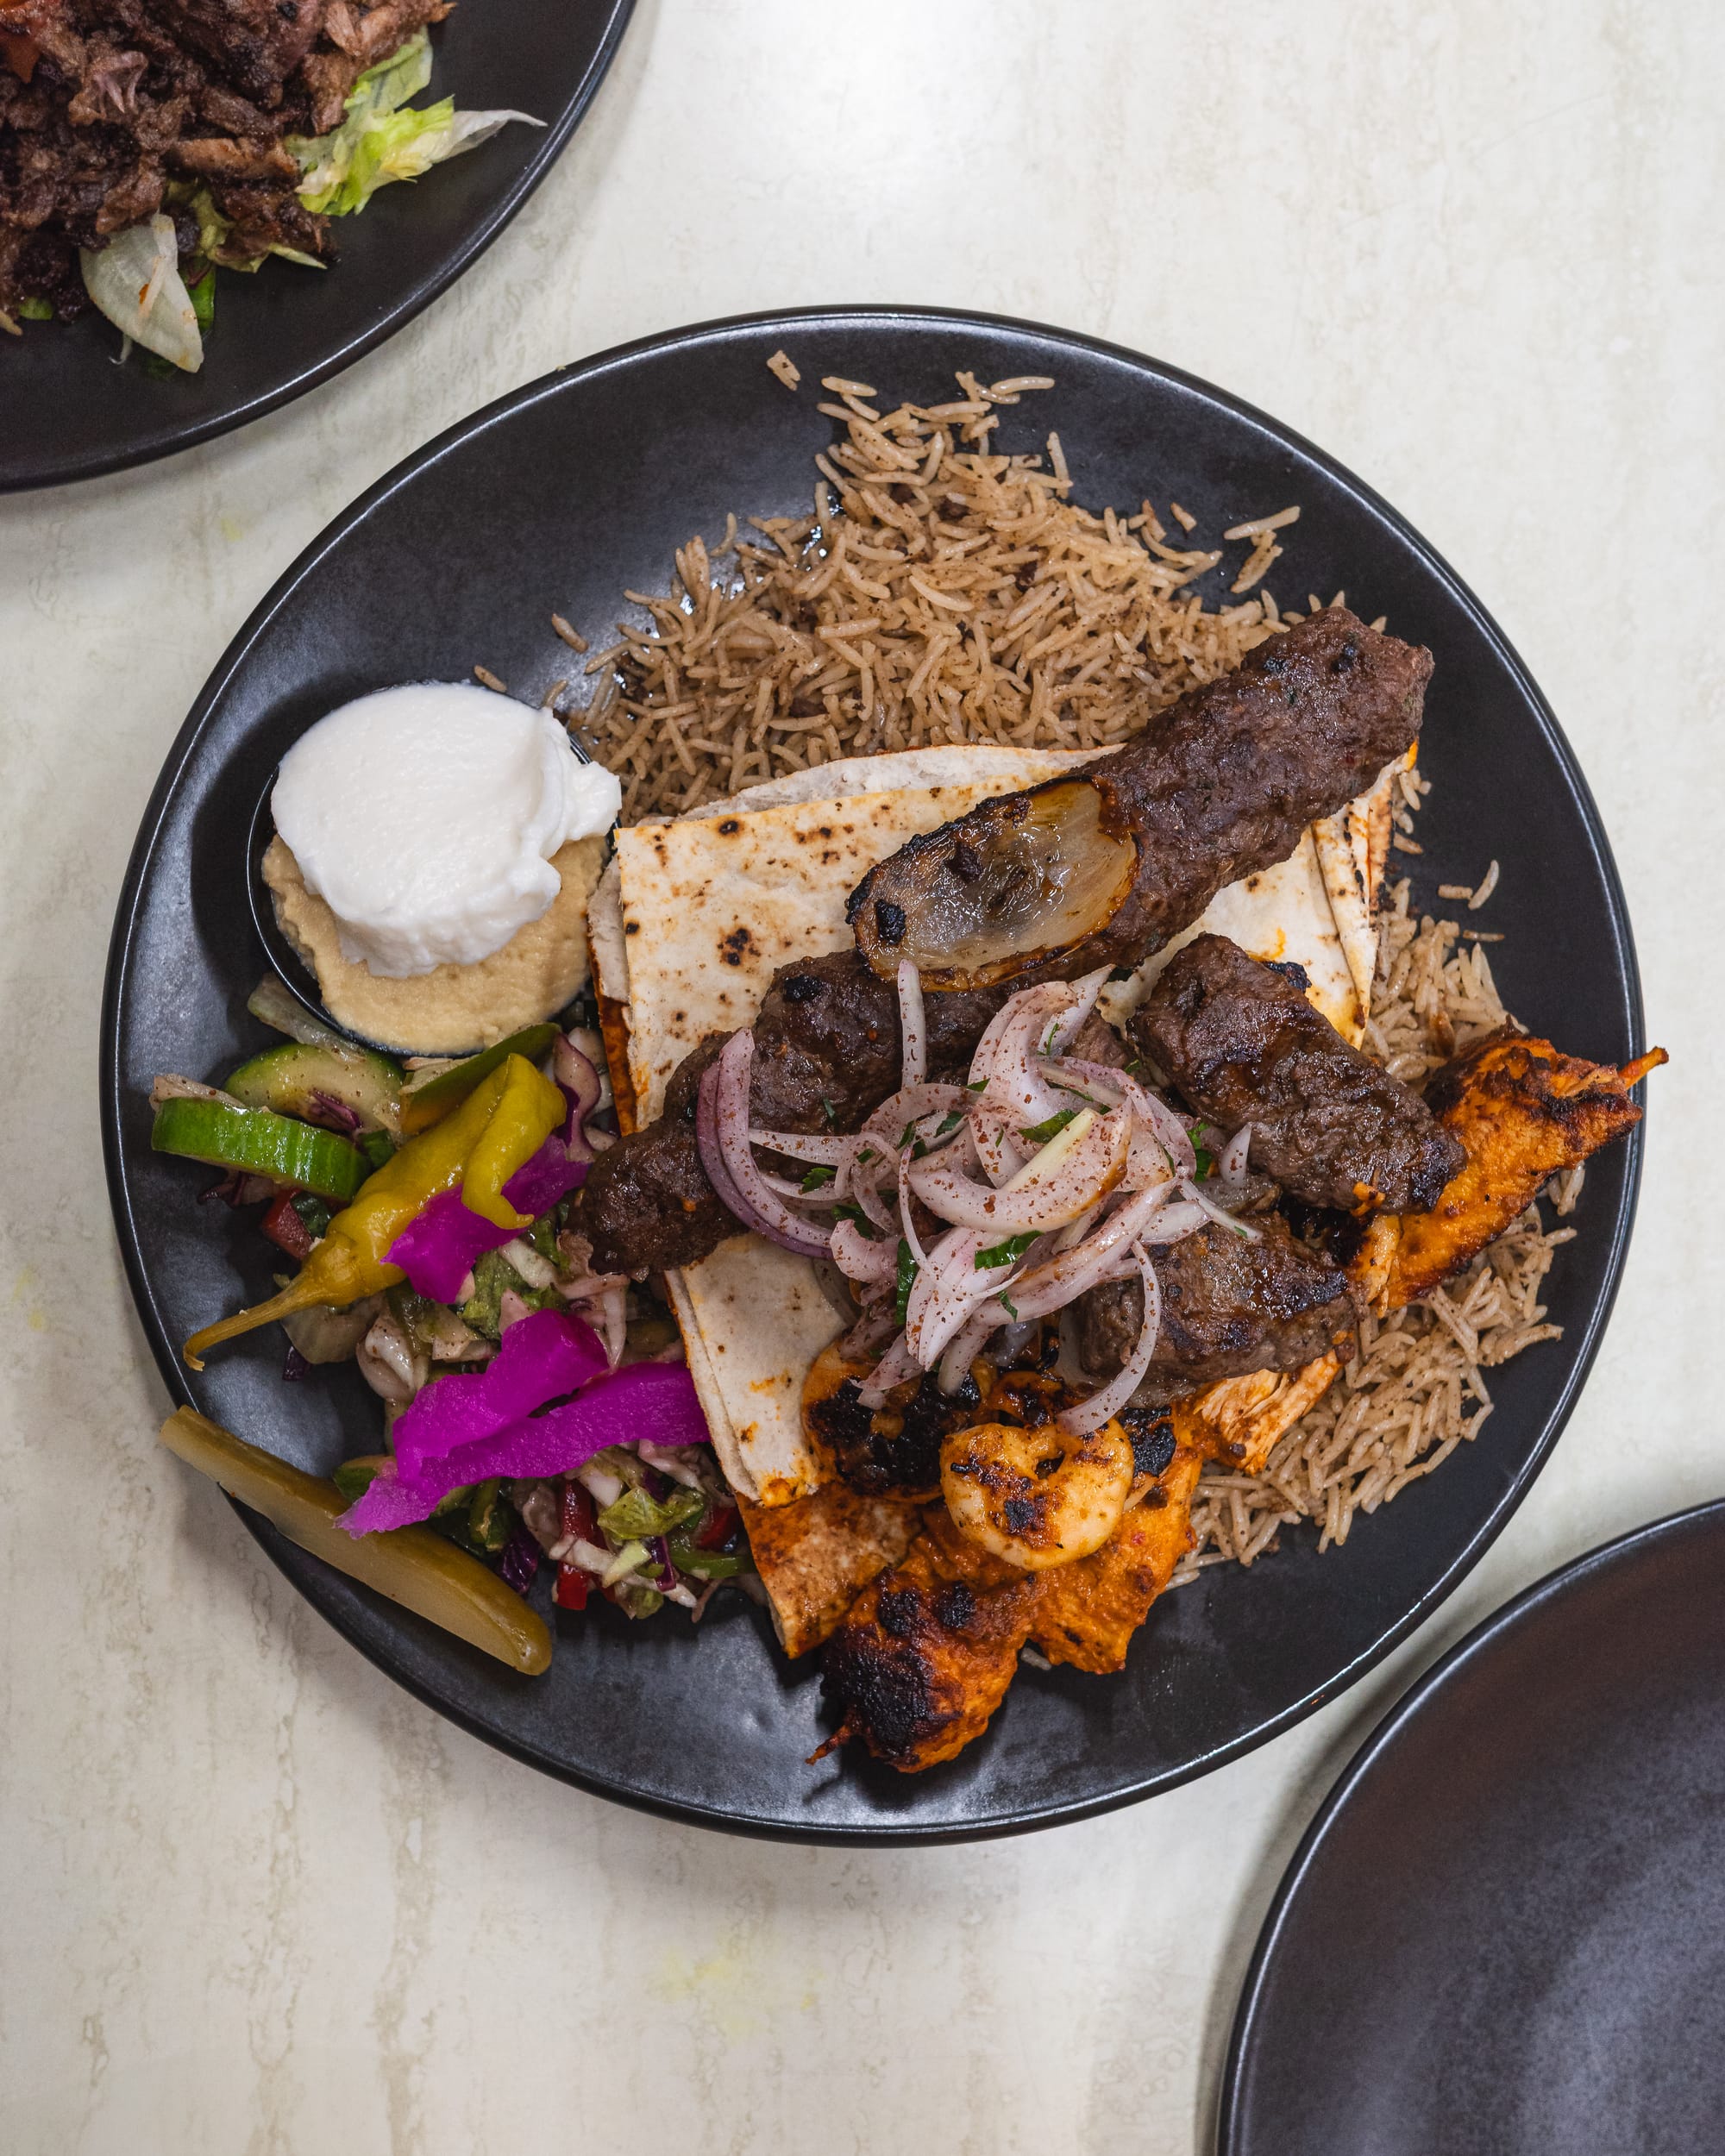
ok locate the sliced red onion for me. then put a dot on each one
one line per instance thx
(912, 1025)
(1230, 1162)
(576, 1075)
(945, 1292)
(1194, 1194)
(1084, 990)
(997, 1150)
(722, 1135)
(824, 1152)
(910, 1105)
(1045, 1288)
(893, 1368)
(1092, 1413)
(1036, 1198)
(967, 1343)
(1013, 1081)
(1171, 1133)
(859, 1257)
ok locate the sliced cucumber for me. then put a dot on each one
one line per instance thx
(289, 1078)
(257, 1142)
(428, 1095)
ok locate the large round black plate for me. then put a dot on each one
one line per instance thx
(1505, 1932)
(559, 498)
(286, 330)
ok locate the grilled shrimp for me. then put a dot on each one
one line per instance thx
(1037, 1498)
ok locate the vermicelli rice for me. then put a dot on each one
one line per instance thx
(942, 591)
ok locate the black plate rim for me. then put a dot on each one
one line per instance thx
(780, 323)
(1573, 1577)
(550, 146)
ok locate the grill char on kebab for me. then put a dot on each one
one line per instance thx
(1240, 1043)
(1103, 865)
(1308, 722)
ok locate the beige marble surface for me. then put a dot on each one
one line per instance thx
(255, 1899)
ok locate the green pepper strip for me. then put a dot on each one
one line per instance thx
(496, 1130)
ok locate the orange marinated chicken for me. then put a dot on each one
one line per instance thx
(1525, 1113)
(1086, 1613)
(928, 1649)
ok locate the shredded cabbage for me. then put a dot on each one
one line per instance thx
(382, 139)
(134, 280)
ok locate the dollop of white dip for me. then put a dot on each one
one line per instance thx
(426, 817)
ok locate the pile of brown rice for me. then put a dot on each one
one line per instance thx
(943, 591)
(1417, 1391)
(940, 591)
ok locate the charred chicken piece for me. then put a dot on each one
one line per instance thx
(1241, 1042)
(1523, 1113)
(1229, 1306)
(927, 1651)
(1105, 865)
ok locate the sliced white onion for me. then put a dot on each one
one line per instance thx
(1231, 1162)
(1170, 1132)
(912, 1025)
(1195, 1194)
(998, 1151)
(1092, 1413)
(134, 280)
(1175, 1222)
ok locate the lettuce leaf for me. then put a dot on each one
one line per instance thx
(382, 139)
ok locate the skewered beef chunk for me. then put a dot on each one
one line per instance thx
(1243, 1045)
(826, 1056)
(1105, 864)
(1229, 1306)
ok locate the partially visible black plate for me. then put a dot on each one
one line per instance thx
(1505, 1933)
(560, 497)
(285, 329)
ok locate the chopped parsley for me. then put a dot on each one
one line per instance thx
(975, 1085)
(1207, 1160)
(1009, 1306)
(865, 1156)
(829, 1113)
(908, 1269)
(1051, 1126)
(949, 1123)
(863, 1224)
(1007, 1253)
(818, 1175)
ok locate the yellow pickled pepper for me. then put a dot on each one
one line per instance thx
(479, 1146)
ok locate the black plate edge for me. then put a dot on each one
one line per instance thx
(551, 146)
(1551, 1587)
(797, 321)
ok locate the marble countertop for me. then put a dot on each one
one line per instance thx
(256, 1899)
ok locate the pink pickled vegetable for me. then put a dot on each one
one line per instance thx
(543, 1355)
(439, 1247)
(653, 1402)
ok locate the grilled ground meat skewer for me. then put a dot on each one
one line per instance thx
(1105, 865)
(827, 1038)
(1229, 1306)
(1241, 1044)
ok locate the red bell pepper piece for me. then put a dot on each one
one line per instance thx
(719, 1529)
(284, 1228)
(577, 1518)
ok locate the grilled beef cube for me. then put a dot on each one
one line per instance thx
(1230, 1305)
(1243, 1045)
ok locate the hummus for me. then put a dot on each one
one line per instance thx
(452, 1009)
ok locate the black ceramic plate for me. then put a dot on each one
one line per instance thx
(561, 497)
(287, 328)
(1505, 1933)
